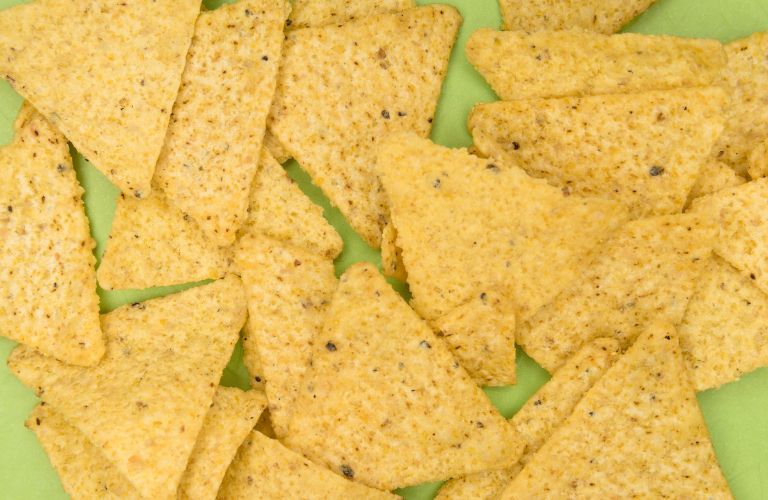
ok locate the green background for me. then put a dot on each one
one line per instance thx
(736, 414)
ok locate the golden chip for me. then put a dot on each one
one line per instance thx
(602, 16)
(313, 13)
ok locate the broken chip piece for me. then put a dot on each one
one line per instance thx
(602, 16)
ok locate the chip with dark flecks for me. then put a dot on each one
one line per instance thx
(602, 16)
(314, 13)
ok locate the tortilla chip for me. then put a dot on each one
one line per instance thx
(276, 149)
(264, 468)
(228, 422)
(251, 358)
(646, 272)
(342, 89)
(154, 244)
(481, 335)
(392, 255)
(602, 16)
(743, 239)
(144, 403)
(379, 376)
(467, 225)
(540, 416)
(313, 13)
(637, 433)
(758, 161)
(713, 177)
(289, 290)
(643, 150)
(281, 211)
(82, 469)
(521, 65)
(47, 277)
(213, 145)
(746, 75)
(264, 425)
(129, 55)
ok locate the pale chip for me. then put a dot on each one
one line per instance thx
(391, 254)
(714, 176)
(602, 16)
(758, 161)
(313, 13)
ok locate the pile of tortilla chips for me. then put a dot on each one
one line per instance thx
(610, 219)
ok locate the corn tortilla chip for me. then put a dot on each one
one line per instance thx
(646, 272)
(466, 225)
(713, 177)
(342, 89)
(276, 149)
(758, 161)
(313, 13)
(392, 255)
(637, 433)
(379, 376)
(152, 243)
(521, 65)
(602, 16)
(143, 405)
(264, 425)
(264, 468)
(213, 145)
(228, 422)
(129, 55)
(289, 290)
(251, 358)
(47, 276)
(643, 150)
(481, 486)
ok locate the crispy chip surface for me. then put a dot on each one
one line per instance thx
(313, 13)
(602, 16)
(758, 161)
(714, 176)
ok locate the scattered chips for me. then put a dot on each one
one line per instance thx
(154, 244)
(342, 89)
(47, 277)
(643, 150)
(758, 161)
(289, 290)
(379, 376)
(313, 13)
(646, 272)
(213, 145)
(129, 58)
(713, 177)
(264, 468)
(143, 405)
(521, 65)
(467, 225)
(602, 16)
(228, 422)
(637, 433)
(391, 254)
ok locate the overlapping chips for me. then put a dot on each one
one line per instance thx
(714, 176)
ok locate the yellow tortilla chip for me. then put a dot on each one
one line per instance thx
(154, 244)
(481, 335)
(129, 55)
(313, 13)
(391, 254)
(47, 277)
(342, 89)
(264, 468)
(251, 358)
(521, 65)
(143, 405)
(637, 433)
(602, 16)
(264, 425)
(746, 75)
(289, 290)
(279, 210)
(643, 150)
(646, 272)
(713, 177)
(228, 422)
(758, 161)
(481, 486)
(213, 145)
(82, 469)
(379, 376)
(276, 149)
(466, 225)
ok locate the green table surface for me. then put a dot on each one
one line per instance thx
(736, 414)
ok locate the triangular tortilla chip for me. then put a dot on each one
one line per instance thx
(602, 16)
(128, 57)
(646, 272)
(391, 254)
(154, 244)
(82, 469)
(280, 210)
(758, 161)
(144, 403)
(213, 145)
(637, 433)
(264, 468)
(540, 416)
(724, 333)
(47, 277)
(228, 422)
(714, 176)
(379, 376)
(314, 13)
(466, 224)
(746, 75)
(521, 65)
(289, 290)
(643, 150)
(343, 88)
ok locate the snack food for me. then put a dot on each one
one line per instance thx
(314, 13)
(603, 16)
(714, 176)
